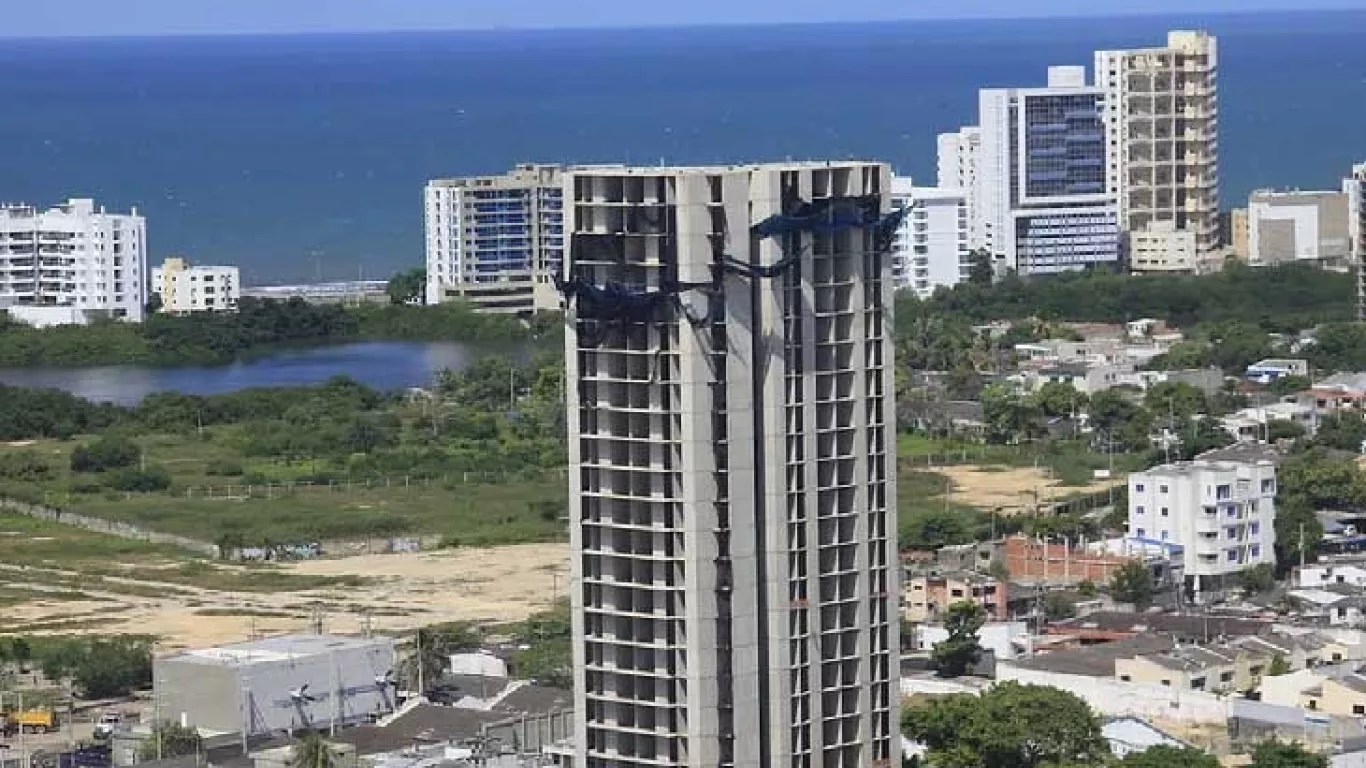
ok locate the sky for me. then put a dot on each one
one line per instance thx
(50, 18)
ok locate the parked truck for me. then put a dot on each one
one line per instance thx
(31, 721)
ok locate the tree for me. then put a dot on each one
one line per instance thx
(154, 303)
(312, 750)
(1058, 607)
(1009, 417)
(1008, 726)
(980, 272)
(1117, 416)
(957, 654)
(115, 666)
(1132, 583)
(1289, 385)
(407, 287)
(1343, 431)
(1087, 589)
(1257, 579)
(1279, 666)
(1176, 398)
(106, 453)
(1285, 754)
(170, 739)
(431, 649)
(24, 466)
(1284, 429)
(1056, 399)
(546, 655)
(1166, 756)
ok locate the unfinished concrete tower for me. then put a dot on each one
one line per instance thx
(732, 484)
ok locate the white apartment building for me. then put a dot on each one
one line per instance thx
(1162, 248)
(958, 157)
(71, 262)
(732, 489)
(1162, 121)
(1355, 187)
(185, 289)
(1041, 185)
(1221, 513)
(495, 241)
(930, 250)
(1299, 227)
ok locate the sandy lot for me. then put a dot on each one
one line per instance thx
(1014, 490)
(409, 590)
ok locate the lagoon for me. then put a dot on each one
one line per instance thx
(384, 365)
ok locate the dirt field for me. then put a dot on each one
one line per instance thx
(1013, 490)
(408, 590)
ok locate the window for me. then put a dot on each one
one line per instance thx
(1254, 528)
(1138, 487)
(1138, 510)
(1124, 678)
(1166, 512)
(1268, 486)
(1358, 709)
(1226, 677)
(1256, 550)
(1197, 684)
(1139, 533)
(1164, 535)
(1161, 489)
(1233, 555)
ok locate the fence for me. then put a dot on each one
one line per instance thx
(268, 490)
(101, 525)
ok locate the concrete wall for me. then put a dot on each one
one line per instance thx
(1113, 698)
(222, 697)
(100, 525)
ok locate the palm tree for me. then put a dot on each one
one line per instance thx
(311, 750)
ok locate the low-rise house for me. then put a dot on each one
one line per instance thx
(1320, 575)
(1331, 606)
(1340, 392)
(1254, 423)
(1271, 369)
(927, 597)
(1110, 626)
(1028, 559)
(1217, 669)
(1127, 735)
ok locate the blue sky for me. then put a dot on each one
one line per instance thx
(46, 18)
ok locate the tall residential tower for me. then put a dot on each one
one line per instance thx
(72, 261)
(1355, 187)
(732, 466)
(495, 240)
(1162, 121)
(1041, 192)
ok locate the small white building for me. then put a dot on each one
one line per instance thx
(1319, 575)
(930, 249)
(1300, 227)
(1255, 423)
(1271, 369)
(74, 256)
(1222, 513)
(185, 289)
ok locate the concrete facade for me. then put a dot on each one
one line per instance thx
(1299, 227)
(495, 241)
(276, 684)
(959, 154)
(74, 255)
(1041, 176)
(1355, 187)
(1161, 248)
(930, 249)
(185, 289)
(1162, 121)
(927, 597)
(732, 472)
(1222, 514)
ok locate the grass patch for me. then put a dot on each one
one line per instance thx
(473, 513)
(258, 613)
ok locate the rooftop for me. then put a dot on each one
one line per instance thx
(1244, 453)
(1096, 660)
(1194, 626)
(280, 648)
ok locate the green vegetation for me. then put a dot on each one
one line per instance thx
(170, 739)
(99, 667)
(1131, 583)
(407, 287)
(258, 325)
(1285, 754)
(1008, 726)
(312, 750)
(545, 655)
(959, 653)
(1164, 756)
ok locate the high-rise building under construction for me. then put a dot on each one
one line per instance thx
(732, 483)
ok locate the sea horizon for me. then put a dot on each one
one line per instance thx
(299, 156)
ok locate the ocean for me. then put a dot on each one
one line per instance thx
(305, 157)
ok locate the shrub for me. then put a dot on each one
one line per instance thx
(133, 480)
(224, 468)
(105, 454)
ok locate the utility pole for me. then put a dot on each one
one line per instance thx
(421, 688)
(1301, 545)
(336, 695)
